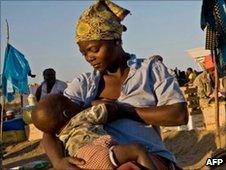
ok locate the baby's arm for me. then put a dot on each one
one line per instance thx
(70, 108)
(133, 152)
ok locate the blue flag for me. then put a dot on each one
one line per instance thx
(15, 72)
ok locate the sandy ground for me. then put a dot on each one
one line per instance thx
(191, 149)
(23, 153)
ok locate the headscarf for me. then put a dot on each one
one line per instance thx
(101, 21)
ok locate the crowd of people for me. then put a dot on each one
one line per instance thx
(203, 80)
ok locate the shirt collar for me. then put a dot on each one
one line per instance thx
(133, 62)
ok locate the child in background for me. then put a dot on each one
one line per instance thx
(27, 110)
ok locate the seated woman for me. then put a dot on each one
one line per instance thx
(83, 135)
(147, 95)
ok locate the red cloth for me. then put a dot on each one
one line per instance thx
(208, 62)
(96, 153)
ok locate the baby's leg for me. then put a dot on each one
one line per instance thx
(133, 152)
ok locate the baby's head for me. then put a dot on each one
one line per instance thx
(48, 115)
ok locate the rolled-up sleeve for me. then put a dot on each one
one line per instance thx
(166, 87)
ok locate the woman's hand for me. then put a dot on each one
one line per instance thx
(69, 163)
(118, 110)
(102, 101)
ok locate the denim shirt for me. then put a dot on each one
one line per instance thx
(148, 84)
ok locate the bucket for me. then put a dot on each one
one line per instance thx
(31, 100)
(10, 115)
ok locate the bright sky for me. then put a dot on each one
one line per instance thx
(44, 32)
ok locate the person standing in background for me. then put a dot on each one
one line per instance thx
(204, 83)
(190, 75)
(50, 85)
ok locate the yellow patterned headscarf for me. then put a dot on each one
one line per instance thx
(101, 22)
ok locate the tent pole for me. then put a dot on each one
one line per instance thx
(3, 106)
(217, 124)
(7, 31)
(1, 127)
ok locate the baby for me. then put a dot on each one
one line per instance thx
(83, 135)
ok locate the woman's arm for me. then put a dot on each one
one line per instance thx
(54, 150)
(166, 115)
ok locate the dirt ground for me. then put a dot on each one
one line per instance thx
(191, 149)
(22, 153)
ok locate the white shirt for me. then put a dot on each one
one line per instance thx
(57, 88)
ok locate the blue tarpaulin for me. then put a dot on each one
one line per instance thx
(15, 72)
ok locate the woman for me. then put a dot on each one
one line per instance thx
(142, 90)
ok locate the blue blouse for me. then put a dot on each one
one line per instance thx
(148, 84)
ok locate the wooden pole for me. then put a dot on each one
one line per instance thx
(7, 31)
(216, 75)
(3, 106)
(1, 128)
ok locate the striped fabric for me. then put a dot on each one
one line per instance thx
(211, 39)
(220, 16)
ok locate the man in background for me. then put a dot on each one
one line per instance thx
(204, 83)
(50, 85)
(190, 75)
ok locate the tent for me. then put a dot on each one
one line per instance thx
(201, 56)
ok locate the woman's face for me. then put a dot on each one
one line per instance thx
(100, 54)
